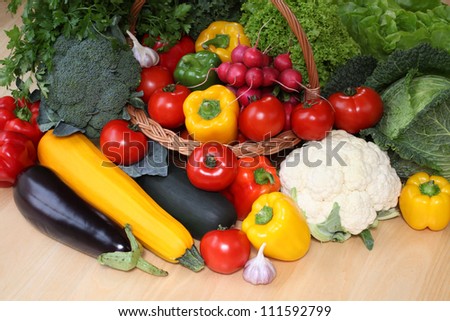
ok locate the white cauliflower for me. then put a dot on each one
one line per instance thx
(340, 183)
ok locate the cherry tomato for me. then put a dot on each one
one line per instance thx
(166, 105)
(262, 119)
(225, 251)
(313, 119)
(212, 166)
(356, 109)
(153, 78)
(121, 143)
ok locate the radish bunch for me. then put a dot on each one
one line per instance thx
(251, 72)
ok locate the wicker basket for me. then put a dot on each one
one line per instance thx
(284, 140)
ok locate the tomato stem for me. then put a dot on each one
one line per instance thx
(210, 161)
(169, 88)
(350, 91)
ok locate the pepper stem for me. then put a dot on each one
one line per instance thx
(209, 109)
(264, 215)
(429, 188)
(219, 41)
(262, 177)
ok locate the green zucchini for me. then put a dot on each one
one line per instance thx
(198, 210)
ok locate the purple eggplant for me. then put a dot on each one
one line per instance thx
(57, 211)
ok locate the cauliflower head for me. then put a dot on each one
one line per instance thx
(345, 172)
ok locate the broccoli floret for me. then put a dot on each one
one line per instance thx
(352, 73)
(89, 84)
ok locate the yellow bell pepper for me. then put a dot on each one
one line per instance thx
(276, 220)
(212, 115)
(425, 202)
(221, 37)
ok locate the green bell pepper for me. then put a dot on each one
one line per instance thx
(195, 70)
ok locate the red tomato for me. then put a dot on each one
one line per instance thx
(313, 119)
(121, 143)
(262, 119)
(166, 105)
(212, 167)
(225, 251)
(356, 109)
(153, 78)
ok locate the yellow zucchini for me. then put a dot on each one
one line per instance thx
(82, 166)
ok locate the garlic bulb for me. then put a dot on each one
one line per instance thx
(259, 270)
(146, 56)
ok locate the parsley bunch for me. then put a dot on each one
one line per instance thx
(43, 21)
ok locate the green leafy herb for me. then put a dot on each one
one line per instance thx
(204, 12)
(43, 21)
(331, 44)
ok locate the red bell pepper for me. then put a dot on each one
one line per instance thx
(7, 107)
(23, 120)
(17, 152)
(256, 176)
(169, 56)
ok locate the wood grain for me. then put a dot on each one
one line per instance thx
(404, 264)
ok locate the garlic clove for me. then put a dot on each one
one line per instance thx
(146, 56)
(259, 270)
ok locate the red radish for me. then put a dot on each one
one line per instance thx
(236, 74)
(222, 71)
(247, 95)
(237, 53)
(290, 80)
(282, 62)
(270, 75)
(253, 57)
(232, 88)
(266, 60)
(268, 91)
(254, 77)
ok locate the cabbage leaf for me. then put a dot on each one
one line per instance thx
(415, 87)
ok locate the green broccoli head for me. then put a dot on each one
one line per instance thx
(89, 84)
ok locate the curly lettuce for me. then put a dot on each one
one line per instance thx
(330, 42)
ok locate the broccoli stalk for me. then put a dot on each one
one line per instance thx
(89, 84)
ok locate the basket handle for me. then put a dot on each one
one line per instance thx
(134, 14)
(314, 85)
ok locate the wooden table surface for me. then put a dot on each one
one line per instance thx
(404, 264)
